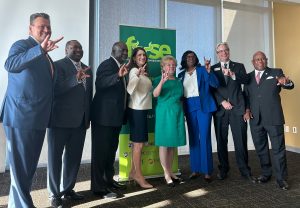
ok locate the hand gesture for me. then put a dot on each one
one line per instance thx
(226, 72)
(142, 70)
(123, 70)
(207, 64)
(81, 73)
(49, 45)
(282, 80)
(164, 76)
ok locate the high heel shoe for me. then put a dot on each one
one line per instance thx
(170, 183)
(142, 183)
(177, 180)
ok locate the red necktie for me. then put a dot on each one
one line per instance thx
(51, 65)
(257, 77)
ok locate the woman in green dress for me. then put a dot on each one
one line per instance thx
(169, 117)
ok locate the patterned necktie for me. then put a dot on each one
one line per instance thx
(225, 76)
(257, 77)
(83, 80)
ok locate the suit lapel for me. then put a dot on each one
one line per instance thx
(220, 75)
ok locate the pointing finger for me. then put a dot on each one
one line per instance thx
(58, 39)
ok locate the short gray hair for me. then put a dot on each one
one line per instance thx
(36, 15)
(222, 43)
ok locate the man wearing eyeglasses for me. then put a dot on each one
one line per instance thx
(231, 108)
(266, 117)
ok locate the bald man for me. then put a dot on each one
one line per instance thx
(266, 117)
(108, 111)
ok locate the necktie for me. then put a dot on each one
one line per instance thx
(225, 76)
(51, 65)
(83, 80)
(257, 77)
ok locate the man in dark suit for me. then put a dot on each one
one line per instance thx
(265, 110)
(73, 91)
(231, 108)
(108, 111)
(27, 104)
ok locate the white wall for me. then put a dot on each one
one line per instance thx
(69, 18)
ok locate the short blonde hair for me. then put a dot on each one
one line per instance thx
(167, 58)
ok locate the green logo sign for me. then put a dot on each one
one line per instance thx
(154, 51)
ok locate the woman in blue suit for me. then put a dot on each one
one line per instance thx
(198, 107)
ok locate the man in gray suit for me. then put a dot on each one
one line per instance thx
(265, 110)
(27, 104)
(73, 91)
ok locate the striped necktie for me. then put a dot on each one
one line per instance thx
(83, 80)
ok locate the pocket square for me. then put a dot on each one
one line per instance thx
(217, 69)
(270, 77)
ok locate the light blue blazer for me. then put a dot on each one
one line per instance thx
(28, 99)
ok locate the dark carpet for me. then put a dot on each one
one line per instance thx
(232, 192)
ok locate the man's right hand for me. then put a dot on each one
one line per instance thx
(49, 45)
(123, 70)
(81, 73)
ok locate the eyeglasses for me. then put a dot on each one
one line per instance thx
(222, 51)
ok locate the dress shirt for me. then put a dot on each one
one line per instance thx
(190, 85)
(261, 72)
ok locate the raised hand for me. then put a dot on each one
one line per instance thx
(81, 73)
(164, 76)
(123, 70)
(282, 80)
(142, 71)
(226, 71)
(49, 45)
(207, 64)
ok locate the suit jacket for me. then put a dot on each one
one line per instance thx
(205, 82)
(108, 107)
(263, 99)
(232, 91)
(28, 99)
(71, 103)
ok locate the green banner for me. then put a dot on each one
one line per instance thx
(157, 43)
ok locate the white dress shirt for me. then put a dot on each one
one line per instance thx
(190, 85)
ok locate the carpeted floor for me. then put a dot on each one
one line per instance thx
(233, 192)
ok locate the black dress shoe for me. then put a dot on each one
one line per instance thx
(283, 185)
(72, 195)
(221, 176)
(250, 178)
(56, 203)
(263, 179)
(117, 185)
(107, 194)
(177, 180)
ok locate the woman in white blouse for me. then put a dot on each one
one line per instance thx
(140, 101)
